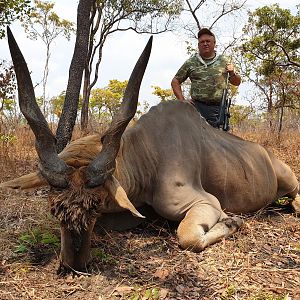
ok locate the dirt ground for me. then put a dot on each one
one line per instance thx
(261, 261)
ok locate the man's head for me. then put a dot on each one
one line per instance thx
(206, 43)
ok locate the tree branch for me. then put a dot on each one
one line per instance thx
(291, 62)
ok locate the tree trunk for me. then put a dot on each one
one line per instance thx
(45, 79)
(69, 112)
(281, 111)
(85, 101)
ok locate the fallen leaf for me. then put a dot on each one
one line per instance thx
(180, 288)
(163, 293)
(161, 273)
(123, 290)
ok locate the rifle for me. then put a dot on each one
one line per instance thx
(224, 114)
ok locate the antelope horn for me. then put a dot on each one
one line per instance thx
(52, 167)
(119, 194)
(104, 164)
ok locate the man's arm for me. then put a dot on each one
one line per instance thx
(176, 86)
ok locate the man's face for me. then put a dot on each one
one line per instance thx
(206, 45)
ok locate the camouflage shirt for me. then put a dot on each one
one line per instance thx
(207, 77)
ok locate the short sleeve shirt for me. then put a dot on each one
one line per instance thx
(208, 78)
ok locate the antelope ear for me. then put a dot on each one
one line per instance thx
(119, 194)
(29, 181)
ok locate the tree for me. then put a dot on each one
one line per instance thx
(44, 24)
(272, 36)
(286, 86)
(210, 13)
(69, 113)
(57, 103)
(271, 48)
(163, 94)
(108, 17)
(238, 114)
(106, 101)
(8, 86)
(11, 10)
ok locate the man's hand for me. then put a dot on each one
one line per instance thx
(188, 101)
(230, 69)
(234, 78)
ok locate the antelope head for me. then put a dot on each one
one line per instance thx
(78, 193)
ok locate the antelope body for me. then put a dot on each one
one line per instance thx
(171, 160)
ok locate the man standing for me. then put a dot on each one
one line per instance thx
(207, 72)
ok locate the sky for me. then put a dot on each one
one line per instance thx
(121, 52)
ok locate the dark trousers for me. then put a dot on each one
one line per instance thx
(209, 112)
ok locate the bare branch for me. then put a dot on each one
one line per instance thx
(271, 43)
(193, 11)
(231, 44)
(225, 12)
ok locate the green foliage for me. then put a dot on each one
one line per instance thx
(271, 34)
(106, 101)
(11, 10)
(148, 16)
(142, 294)
(57, 103)
(35, 238)
(104, 257)
(239, 113)
(42, 22)
(152, 294)
(142, 109)
(7, 138)
(137, 12)
(228, 293)
(7, 86)
(39, 101)
(271, 51)
(163, 94)
(283, 201)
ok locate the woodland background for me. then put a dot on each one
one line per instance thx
(262, 261)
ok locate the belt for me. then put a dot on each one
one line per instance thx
(209, 103)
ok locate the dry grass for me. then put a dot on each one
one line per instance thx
(261, 261)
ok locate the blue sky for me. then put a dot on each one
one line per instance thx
(120, 54)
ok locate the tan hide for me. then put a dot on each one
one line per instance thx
(77, 154)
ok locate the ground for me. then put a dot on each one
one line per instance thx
(261, 261)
